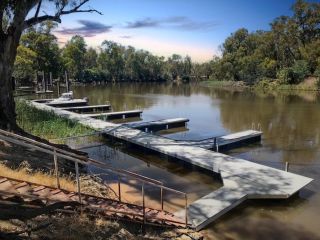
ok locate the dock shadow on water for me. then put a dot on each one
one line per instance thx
(168, 171)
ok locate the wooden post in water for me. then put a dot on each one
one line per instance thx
(287, 167)
(43, 82)
(58, 87)
(78, 180)
(56, 170)
(50, 79)
(67, 81)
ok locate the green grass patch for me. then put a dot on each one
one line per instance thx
(46, 124)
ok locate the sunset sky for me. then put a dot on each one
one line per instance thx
(163, 27)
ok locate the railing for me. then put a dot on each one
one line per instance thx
(76, 158)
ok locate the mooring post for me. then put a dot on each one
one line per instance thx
(56, 169)
(58, 87)
(186, 209)
(50, 79)
(143, 205)
(119, 188)
(43, 82)
(287, 167)
(78, 180)
(67, 81)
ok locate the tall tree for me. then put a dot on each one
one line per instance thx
(74, 56)
(17, 16)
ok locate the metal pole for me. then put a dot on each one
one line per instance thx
(161, 196)
(186, 209)
(58, 87)
(56, 170)
(50, 78)
(143, 205)
(119, 188)
(217, 147)
(67, 81)
(78, 180)
(43, 82)
(287, 167)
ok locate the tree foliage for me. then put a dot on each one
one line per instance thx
(290, 51)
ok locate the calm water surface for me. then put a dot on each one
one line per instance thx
(291, 126)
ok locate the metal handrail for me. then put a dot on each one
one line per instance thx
(57, 152)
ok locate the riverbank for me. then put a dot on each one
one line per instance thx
(46, 124)
(309, 84)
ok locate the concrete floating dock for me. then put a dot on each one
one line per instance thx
(89, 109)
(242, 179)
(226, 142)
(73, 103)
(116, 115)
(154, 126)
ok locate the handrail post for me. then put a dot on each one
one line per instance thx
(119, 188)
(186, 208)
(143, 205)
(78, 180)
(56, 169)
(161, 197)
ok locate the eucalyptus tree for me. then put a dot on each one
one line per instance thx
(17, 16)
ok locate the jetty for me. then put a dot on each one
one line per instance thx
(225, 142)
(241, 179)
(116, 115)
(89, 109)
(154, 126)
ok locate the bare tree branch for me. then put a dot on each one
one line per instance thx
(38, 9)
(57, 17)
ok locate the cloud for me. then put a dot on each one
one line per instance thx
(126, 36)
(147, 22)
(177, 22)
(88, 29)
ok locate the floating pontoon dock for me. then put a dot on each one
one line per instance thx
(116, 115)
(242, 179)
(73, 103)
(226, 142)
(89, 109)
(159, 125)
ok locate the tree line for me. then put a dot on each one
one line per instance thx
(289, 52)
(111, 62)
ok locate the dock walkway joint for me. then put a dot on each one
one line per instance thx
(242, 179)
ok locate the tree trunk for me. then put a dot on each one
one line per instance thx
(8, 51)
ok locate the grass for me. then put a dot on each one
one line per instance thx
(46, 124)
(42, 178)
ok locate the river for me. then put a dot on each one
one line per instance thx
(291, 129)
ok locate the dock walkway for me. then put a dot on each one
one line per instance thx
(116, 115)
(225, 142)
(159, 125)
(246, 179)
(89, 109)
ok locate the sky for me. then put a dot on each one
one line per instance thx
(187, 27)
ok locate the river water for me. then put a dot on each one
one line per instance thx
(291, 127)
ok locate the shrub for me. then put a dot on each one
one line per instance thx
(300, 70)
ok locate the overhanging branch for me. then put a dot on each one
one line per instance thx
(57, 17)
